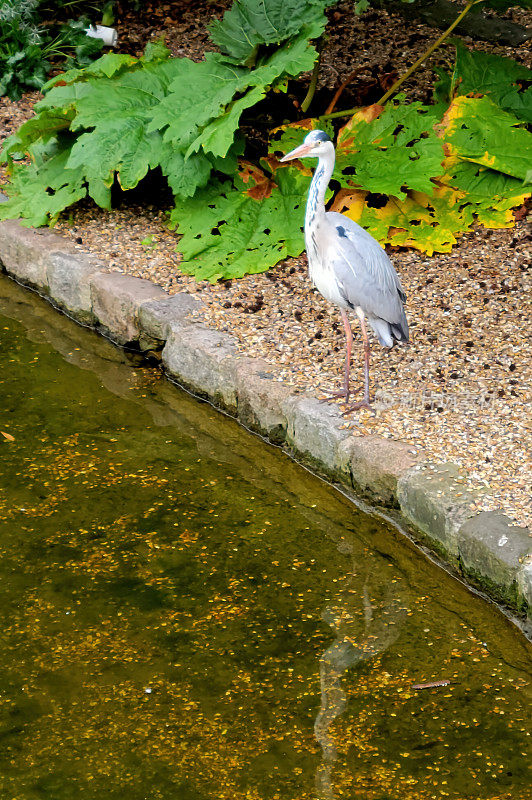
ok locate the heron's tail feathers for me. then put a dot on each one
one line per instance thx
(388, 333)
(400, 332)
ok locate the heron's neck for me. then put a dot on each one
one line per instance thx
(318, 187)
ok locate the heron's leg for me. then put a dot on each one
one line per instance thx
(344, 392)
(365, 402)
(366, 358)
(349, 348)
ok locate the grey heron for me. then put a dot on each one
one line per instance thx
(348, 266)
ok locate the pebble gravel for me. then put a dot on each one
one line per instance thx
(461, 389)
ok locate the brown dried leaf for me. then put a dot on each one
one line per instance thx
(261, 186)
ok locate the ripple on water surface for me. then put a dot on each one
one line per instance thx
(186, 614)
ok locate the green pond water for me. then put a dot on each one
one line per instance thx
(188, 615)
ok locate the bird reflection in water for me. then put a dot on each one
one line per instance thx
(359, 637)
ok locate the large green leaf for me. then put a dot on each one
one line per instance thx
(185, 175)
(227, 233)
(42, 127)
(214, 80)
(480, 180)
(432, 222)
(387, 150)
(120, 142)
(108, 65)
(218, 136)
(490, 194)
(40, 191)
(476, 129)
(218, 82)
(502, 79)
(251, 23)
(130, 94)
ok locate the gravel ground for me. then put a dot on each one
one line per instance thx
(461, 388)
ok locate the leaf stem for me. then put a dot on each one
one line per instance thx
(414, 66)
(344, 85)
(313, 81)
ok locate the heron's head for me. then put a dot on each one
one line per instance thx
(315, 144)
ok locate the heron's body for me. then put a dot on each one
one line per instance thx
(349, 267)
(346, 264)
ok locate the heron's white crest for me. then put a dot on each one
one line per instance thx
(316, 144)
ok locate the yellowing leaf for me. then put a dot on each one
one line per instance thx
(476, 129)
(7, 436)
(391, 149)
(479, 180)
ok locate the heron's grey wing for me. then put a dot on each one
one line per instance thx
(363, 270)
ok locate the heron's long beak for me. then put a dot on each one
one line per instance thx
(299, 152)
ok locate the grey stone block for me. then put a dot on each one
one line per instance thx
(157, 316)
(203, 361)
(116, 300)
(25, 252)
(434, 500)
(315, 430)
(524, 584)
(68, 277)
(492, 550)
(376, 464)
(260, 398)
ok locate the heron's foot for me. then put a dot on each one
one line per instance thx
(365, 403)
(339, 394)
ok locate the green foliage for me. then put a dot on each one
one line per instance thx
(26, 48)
(47, 185)
(248, 24)
(22, 65)
(397, 148)
(119, 143)
(242, 226)
(478, 130)
(121, 117)
(490, 194)
(501, 79)
(226, 90)
(487, 153)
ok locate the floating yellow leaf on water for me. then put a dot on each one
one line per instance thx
(8, 436)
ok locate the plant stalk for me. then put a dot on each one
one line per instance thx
(414, 66)
(330, 108)
(313, 81)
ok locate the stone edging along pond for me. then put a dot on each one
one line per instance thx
(429, 499)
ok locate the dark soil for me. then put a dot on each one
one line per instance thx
(377, 44)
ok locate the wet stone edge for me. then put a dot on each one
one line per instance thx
(486, 549)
